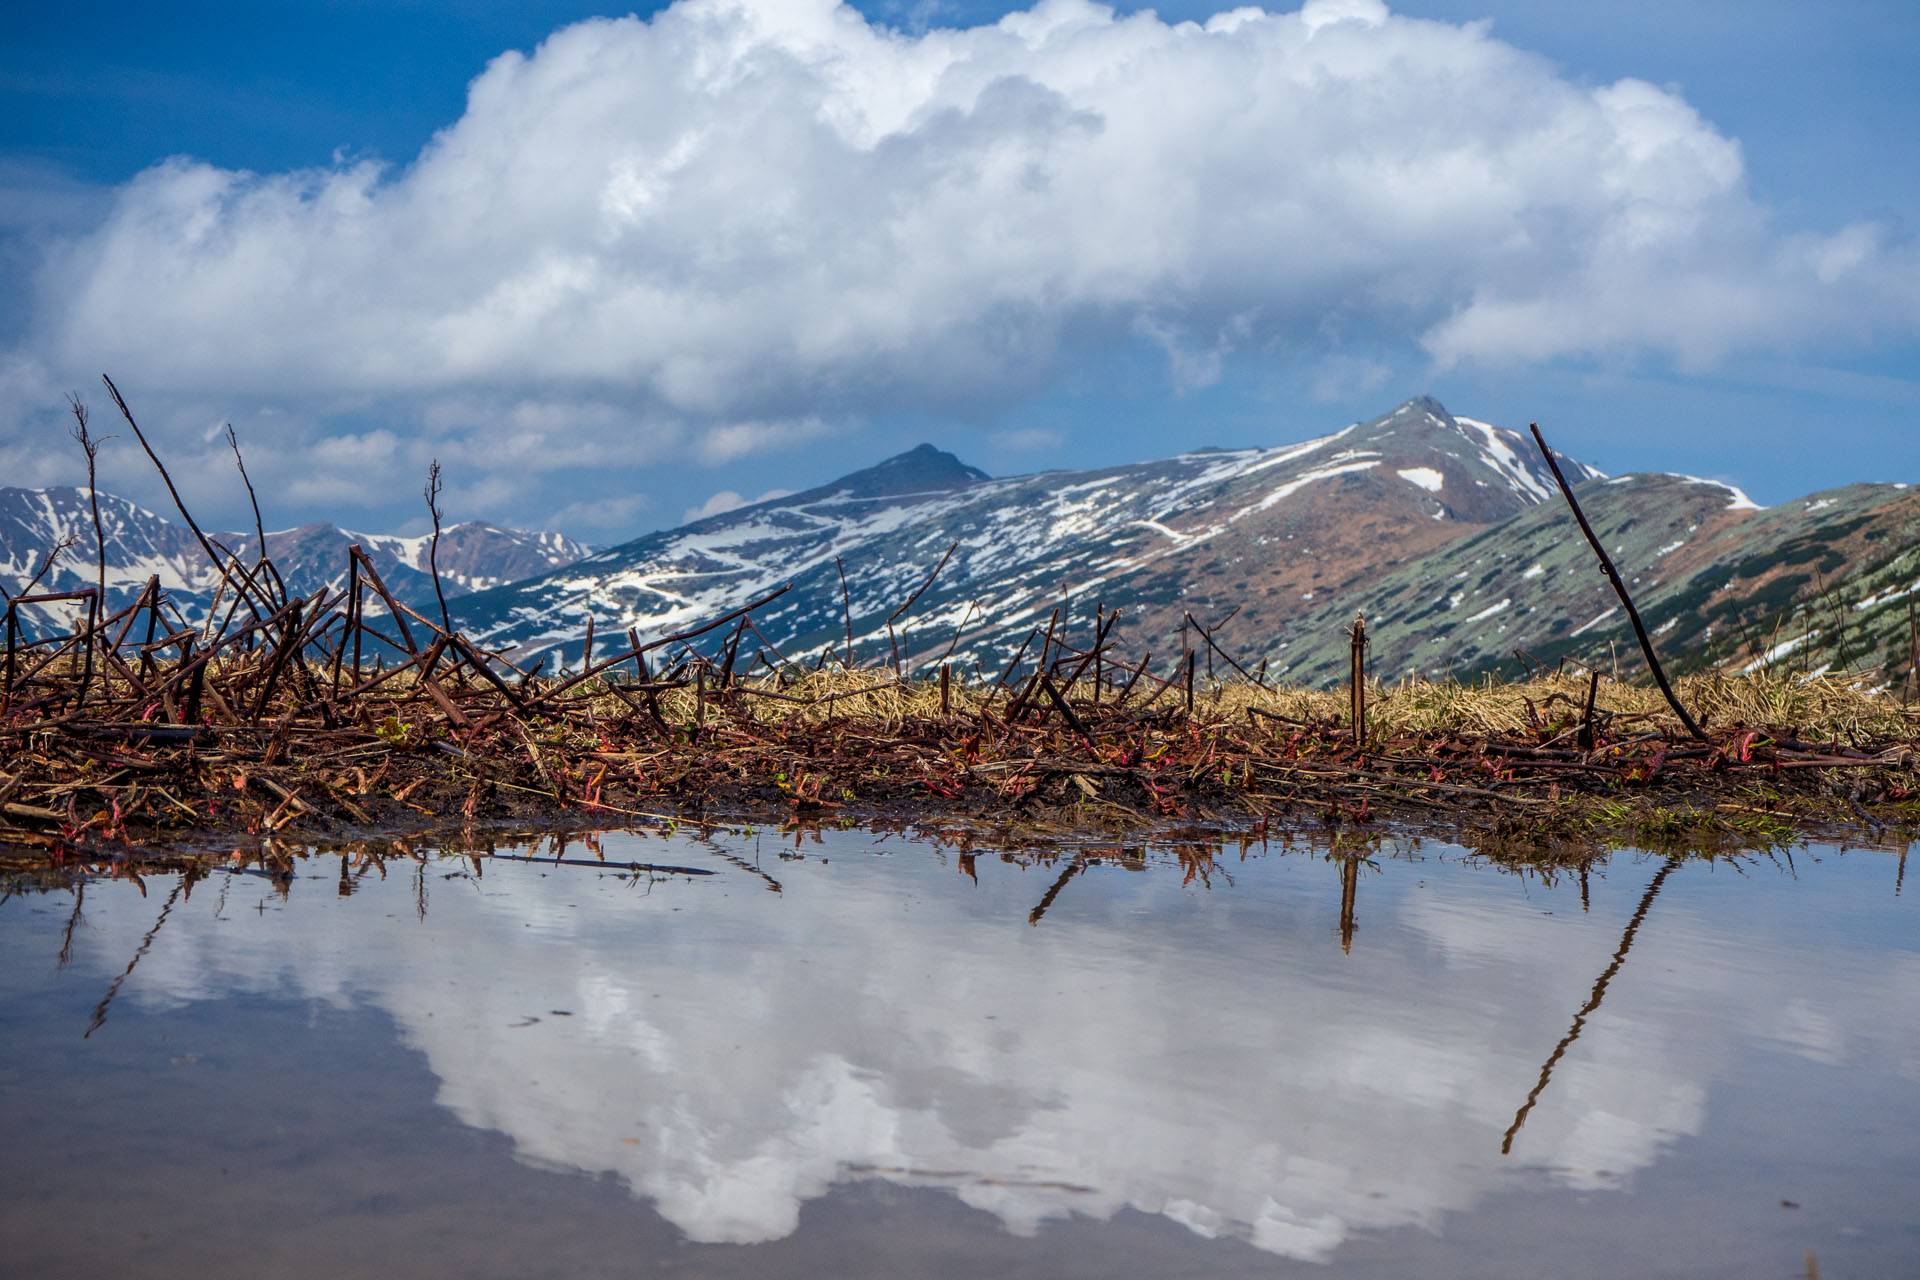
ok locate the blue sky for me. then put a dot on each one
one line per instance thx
(1679, 236)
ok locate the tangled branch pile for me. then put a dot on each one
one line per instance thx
(179, 745)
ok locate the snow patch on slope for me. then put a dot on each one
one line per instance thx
(1282, 492)
(1503, 459)
(1737, 500)
(1424, 477)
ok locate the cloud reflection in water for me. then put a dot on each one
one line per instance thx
(1212, 1056)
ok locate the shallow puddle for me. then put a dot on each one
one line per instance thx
(867, 1056)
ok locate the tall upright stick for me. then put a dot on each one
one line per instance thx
(1619, 589)
(152, 597)
(354, 591)
(1357, 687)
(13, 636)
(91, 447)
(1913, 634)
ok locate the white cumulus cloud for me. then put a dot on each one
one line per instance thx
(716, 230)
(727, 500)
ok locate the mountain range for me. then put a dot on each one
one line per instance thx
(141, 545)
(1447, 533)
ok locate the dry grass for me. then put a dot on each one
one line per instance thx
(1500, 765)
(1824, 706)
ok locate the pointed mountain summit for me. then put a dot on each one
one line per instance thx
(921, 469)
(1477, 469)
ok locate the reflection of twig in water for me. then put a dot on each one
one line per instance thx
(73, 921)
(1593, 1001)
(1074, 868)
(1349, 891)
(743, 864)
(100, 1012)
(659, 868)
(1900, 877)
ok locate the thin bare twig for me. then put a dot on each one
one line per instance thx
(1619, 589)
(433, 548)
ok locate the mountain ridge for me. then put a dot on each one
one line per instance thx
(1153, 535)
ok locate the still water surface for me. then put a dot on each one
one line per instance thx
(868, 1056)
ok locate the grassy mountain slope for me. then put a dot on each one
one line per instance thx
(1821, 583)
